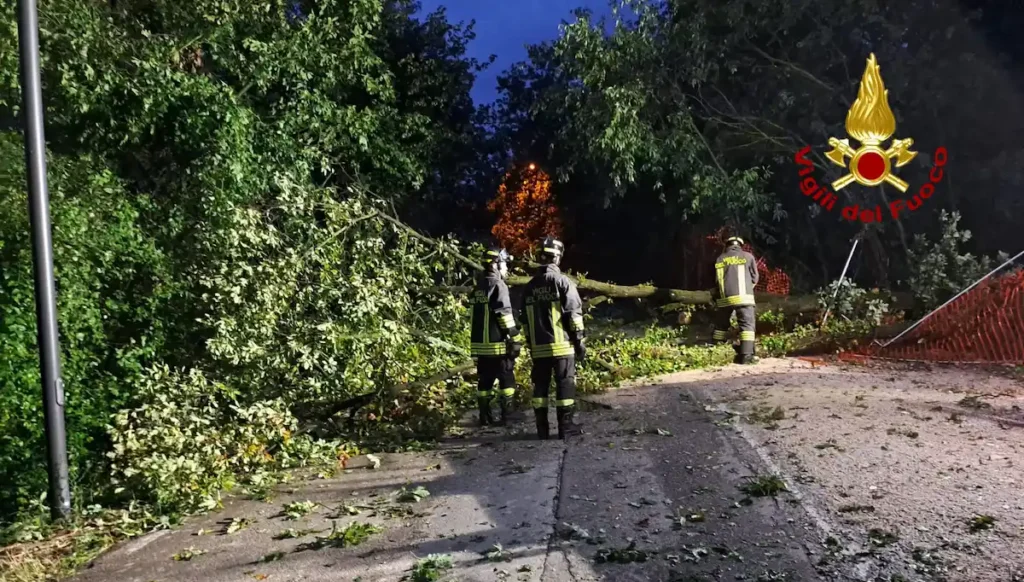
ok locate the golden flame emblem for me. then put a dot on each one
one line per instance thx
(870, 121)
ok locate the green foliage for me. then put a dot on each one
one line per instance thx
(352, 534)
(853, 303)
(219, 261)
(112, 279)
(838, 334)
(764, 486)
(191, 438)
(941, 269)
(91, 531)
(298, 509)
(779, 345)
(430, 569)
(648, 352)
(413, 495)
(772, 318)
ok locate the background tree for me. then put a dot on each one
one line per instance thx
(525, 210)
(686, 116)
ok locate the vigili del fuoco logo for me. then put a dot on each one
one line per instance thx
(870, 122)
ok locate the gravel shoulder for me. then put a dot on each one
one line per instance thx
(918, 471)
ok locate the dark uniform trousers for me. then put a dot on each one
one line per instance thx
(563, 369)
(491, 368)
(745, 317)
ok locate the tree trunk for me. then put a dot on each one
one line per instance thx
(785, 303)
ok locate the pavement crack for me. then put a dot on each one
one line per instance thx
(553, 545)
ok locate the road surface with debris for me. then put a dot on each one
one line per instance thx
(701, 476)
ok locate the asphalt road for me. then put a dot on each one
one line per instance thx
(651, 492)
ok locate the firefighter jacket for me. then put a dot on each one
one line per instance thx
(553, 314)
(492, 323)
(736, 274)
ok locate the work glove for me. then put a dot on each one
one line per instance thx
(581, 351)
(513, 349)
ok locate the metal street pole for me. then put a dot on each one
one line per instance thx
(839, 285)
(42, 260)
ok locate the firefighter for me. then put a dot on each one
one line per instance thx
(736, 274)
(495, 342)
(553, 321)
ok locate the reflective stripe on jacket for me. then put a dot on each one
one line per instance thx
(491, 321)
(553, 314)
(736, 275)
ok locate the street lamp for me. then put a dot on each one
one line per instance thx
(42, 260)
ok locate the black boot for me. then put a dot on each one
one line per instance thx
(543, 431)
(566, 427)
(746, 353)
(485, 411)
(504, 404)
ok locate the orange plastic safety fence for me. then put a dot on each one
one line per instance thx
(982, 326)
(700, 254)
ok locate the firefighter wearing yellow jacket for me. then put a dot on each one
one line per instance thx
(494, 337)
(553, 323)
(736, 274)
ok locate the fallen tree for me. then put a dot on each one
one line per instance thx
(669, 299)
(679, 298)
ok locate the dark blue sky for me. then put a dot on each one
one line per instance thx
(504, 27)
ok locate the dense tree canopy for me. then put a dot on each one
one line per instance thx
(218, 172)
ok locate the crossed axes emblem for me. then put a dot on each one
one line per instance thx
(870, 165)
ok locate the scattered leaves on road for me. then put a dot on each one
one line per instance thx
(974, 401)
(626, 555)
(237, 524)
(766, 415)
(187, 555)
(855, 508)
(430, 569)
(982, 522)
(272, 557)
(414, 495)
(291, 533)
(514, 468)
(298, 509)
(571, 531)
(764, 486)
(684, 516)
(913, 434)
(880, 537)
(353, 534)
(829, 444)
(771, 576)
(498, 554)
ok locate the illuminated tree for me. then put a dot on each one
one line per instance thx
(524, 209)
